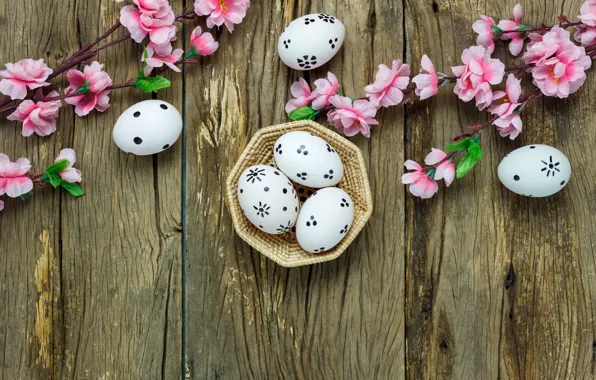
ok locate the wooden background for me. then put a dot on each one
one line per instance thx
(144, 278)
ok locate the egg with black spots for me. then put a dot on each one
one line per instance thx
(308, 160)
(324, 220)
(268, 199)
(311, 41)
(148, 127)
(535, 171)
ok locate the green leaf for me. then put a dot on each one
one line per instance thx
(53, 172)
(475, 150)
(303, 113)
(459, 146)
(465, 165)
(58, 167)
(497, 31)
(468, 161)
(151, 84)
(74, 189)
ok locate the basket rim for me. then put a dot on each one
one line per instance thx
(231, 195)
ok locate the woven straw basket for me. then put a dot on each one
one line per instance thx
(284, 248)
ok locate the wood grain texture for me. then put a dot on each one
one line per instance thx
(498, 285)
(477, 283)
(91, 287)
(248, 317)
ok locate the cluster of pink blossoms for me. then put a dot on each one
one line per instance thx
(352, 116)
(15, 181)
(557, 66)
(90, 88)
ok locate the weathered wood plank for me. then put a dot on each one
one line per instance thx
(30, 251)
(498, 285)
(248, 317)
(96, 288)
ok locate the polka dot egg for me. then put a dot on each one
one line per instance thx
(535, 171)
(148, 127)
(308, 160)
(268, 199)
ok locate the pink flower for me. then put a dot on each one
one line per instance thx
(302, 95)
(97, 81)
(389, 83)
(446, 170)
(427, 82)
(562, 74)
(13, 179)
(228, 12)
(588, 12)
(517, 39)
(159, 26)
(476, 75)
(1, 205)
(165, 56)
(203, 43)
(484, 28)
(25, 73)
(153, 7)
(352, 117)
(507, 102)
(543, 47)
(69, 174)
(325, 88)
(586, 35)
(560, 65)
(421, 185)
(37, 115)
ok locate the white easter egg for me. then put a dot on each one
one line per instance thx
(324, 220)
(148, 127)
(308, 160)
(268, 199)
(535, 171)
(311, 41)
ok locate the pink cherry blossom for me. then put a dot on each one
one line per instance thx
(560, 65)
(97, 80)
(220, 12)
(352, 117)
(586, 35)
(37, 115)
(542, 47)
(476, 75)
(446, 170)
(387, 89)
(153, 7)
(588, 13)
(484, 28)
(165, 57)
(517, 39)
(69, 174)
(1, 205)
(562, 74)
(427, 82)
(302, 95)
(421, 185)
(505, 106)
(325, 89)
(159, 26)
(13, 179)
(203, 43)
(24, 74)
